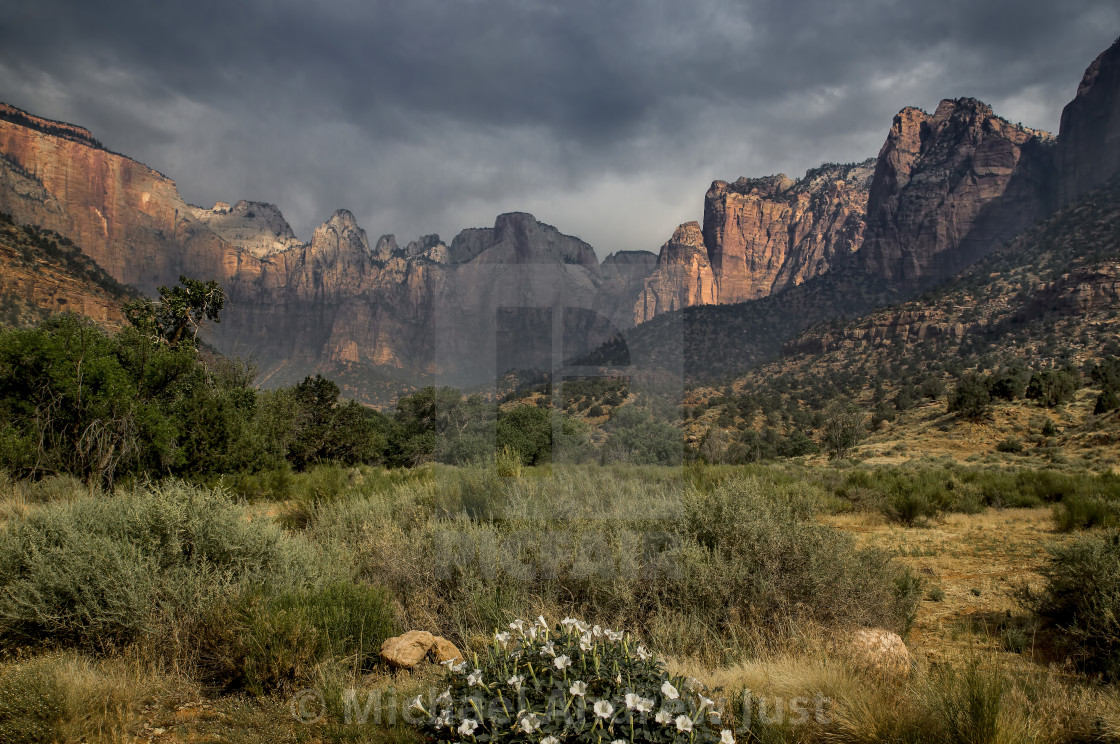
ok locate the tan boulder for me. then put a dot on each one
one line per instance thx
(877, 650)
(408, 650)
(444, 650)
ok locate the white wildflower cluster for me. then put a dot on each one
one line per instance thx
(572, 682)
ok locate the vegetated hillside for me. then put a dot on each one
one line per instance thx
(1035, 325)
(42, 273)
(718, 341)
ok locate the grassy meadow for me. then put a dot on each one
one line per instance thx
(180, 612)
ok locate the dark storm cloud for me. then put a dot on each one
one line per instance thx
(605, 118)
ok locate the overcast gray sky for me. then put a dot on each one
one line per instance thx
(605, 118)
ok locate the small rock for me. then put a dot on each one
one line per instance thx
(444, 650)
(879, 651)
(408, 650)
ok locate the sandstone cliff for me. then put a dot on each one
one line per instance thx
(683, 277)
(1089, 137)
(42, 274)
(760, 236)
(334, 304)
(949, 187)
(765, 235)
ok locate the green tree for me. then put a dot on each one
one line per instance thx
(636, 436)
(1107, 401)
(528, 430)
(325, 429)
(1052, 388)
(970, 398)
(180, 312)
(844, 427)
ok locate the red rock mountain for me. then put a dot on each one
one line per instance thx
(1089, 137)
(949, 187)
(334, 304)
(945, 189)
(760, 236)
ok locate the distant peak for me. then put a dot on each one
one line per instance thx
(343, 218)
(688, 233)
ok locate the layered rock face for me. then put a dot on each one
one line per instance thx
(945, 189)
(683, 278)
(335, 303)
(1089, 137)
(760, 236)
(767, 234)
(255, 227)
(949, 187)
(35, 283)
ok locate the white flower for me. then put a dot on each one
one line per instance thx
(475, 678)
(644, 654)
(705, 702)
(502, 638)
(416, 704)
(603, 709)
(532, 632)
(460, 667)
(669, 691)
(443, 719)
(515, 682)
(562, 662)
(569, 623)
(581, 627)
(632, 701)
(550, 739)
(518, 625)
(578, 688)
(450, 664)
(619, 741)
(663, 716)
(684, 723)
(549, 649)
(585, 642)
(596, 631)
(529, 723)
(726, 737)
(645, 705)
(541, 622)
(615, 637)
(467, 727)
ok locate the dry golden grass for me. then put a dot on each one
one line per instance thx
(979, 561)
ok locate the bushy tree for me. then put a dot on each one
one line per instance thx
(843, 428)
(180, 312)
(528, 431)
(970, 398)
(1052, 388)
(325, 429)
(636, 436)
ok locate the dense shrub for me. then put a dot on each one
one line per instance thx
(1107, 401)
(732, 554)
(1081, 600)
(970, 398)
(96, 572)
(1052, 387)
(32, 705)
(265, 642)
(1081, 512)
